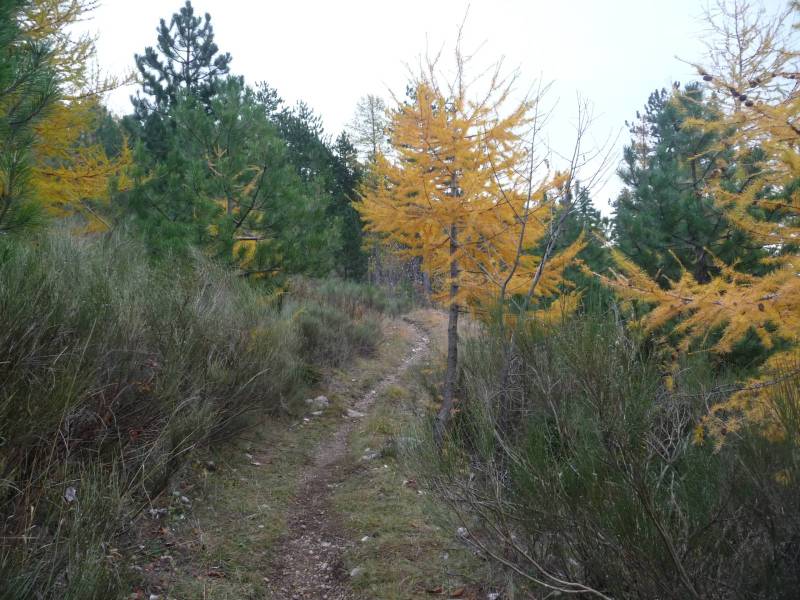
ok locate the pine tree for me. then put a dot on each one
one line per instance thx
(753, 69)
(275, 221)
(304, 134)
(227, 183)
(186, 59)
(180, 75)
(348, 174)
(665, 220)
(27, 88)
(330, 174)
(585, 224)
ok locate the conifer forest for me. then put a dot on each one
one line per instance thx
(451, 350)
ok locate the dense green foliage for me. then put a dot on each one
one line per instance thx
(27, 88)
(584, 221)
(664, 220)
(186, 60)
(228, 183)
(227, 167)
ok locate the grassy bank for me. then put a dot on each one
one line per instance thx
(113, 371)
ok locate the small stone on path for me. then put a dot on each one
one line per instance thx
(357, 572)
(318, 403)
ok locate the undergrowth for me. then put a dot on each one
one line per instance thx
(114, 370)
(579, 471)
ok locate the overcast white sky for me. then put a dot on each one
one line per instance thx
(330, 53)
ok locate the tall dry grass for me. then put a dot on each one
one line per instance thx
(112, 372)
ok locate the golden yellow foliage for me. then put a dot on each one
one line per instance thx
(454, 192)
(245, 251)
(67, 171)
(460, 191)
(70, 168)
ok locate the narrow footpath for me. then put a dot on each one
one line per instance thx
(310, 555)
(314, 507)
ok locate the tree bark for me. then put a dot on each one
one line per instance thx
(427, 288)
(702, 268)
(452, 343)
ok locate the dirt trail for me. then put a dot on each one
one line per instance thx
(309, 563)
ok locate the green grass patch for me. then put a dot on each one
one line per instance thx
(402, 550)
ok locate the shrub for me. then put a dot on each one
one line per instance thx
(351, 297)
(112, 370)
(330, 337)
(581, 473)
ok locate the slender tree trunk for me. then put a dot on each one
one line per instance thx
(373, 126)
(427, 288)
(452, 342)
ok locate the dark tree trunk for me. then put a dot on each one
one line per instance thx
(702, 268)
(452, 343)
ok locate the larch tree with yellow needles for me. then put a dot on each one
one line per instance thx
(458, 191)
(754, 70)
(70, 170)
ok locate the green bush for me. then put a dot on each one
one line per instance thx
(577, 471)
(330, 337)
(112, 370)
(351, 297)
